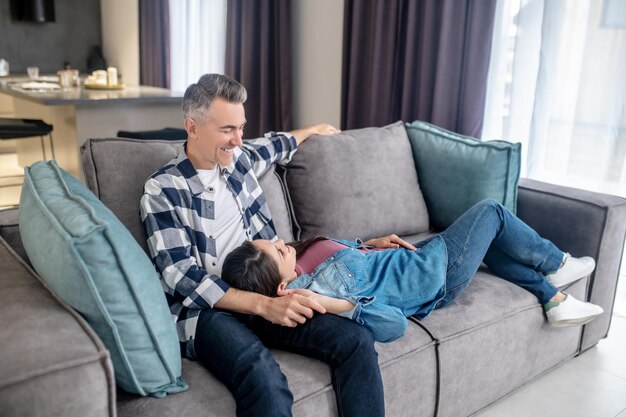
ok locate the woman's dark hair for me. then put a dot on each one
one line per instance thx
(302, 246)
(249, 268)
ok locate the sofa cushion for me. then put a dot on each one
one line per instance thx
(90, 260)
(116, 169)
(51, 362)
(493, 339)
(310, 382)
(10, 230)
(279, 201)
(458, 171)
(359, 183)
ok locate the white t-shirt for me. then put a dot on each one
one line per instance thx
(229, 228)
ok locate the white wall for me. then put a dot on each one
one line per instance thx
(120, 37)
(317, 29)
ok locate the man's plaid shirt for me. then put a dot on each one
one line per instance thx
(178, 215)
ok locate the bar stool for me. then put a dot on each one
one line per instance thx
(27, 128)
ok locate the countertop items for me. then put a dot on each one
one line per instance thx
(4, 67)
(104, 80)
(86, 97)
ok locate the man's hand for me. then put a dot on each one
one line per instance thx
(321, 129)
(290, 310)
(391, 241)
(287, 311)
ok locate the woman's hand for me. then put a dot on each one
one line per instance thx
(391, 241)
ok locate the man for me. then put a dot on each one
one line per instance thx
(203, 204)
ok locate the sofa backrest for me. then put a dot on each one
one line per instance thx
(360, 183)
(116, 169)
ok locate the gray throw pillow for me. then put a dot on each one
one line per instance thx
(359, 183)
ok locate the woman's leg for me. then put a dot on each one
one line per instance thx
(520, 274)
(469, 238)
(347, 347)
(236, 356)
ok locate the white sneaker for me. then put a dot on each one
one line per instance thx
(572, 270)
(571, 312)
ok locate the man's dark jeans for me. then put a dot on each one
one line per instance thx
(235, 349)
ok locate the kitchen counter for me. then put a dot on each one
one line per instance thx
(82, 96)
(79, 113)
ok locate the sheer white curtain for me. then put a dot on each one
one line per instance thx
(557, 83)
(198, 40)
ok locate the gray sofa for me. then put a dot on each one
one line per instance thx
(491, 341)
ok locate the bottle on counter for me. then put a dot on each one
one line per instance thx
(4, 67)
(112, 75)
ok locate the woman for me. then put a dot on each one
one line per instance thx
(383, 281)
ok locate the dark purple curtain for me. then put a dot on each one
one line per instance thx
(154, 43)
(416, 60)
(258, 55)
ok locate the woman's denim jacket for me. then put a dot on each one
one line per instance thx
(385, 286)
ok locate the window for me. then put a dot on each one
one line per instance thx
(557, 84)
(198, 40)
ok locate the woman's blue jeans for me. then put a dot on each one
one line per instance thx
(509, 247)
(235, 348)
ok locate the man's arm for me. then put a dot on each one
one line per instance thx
(279, 147)
(287, 311)
(321, 129)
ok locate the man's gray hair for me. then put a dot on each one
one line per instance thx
(199, 96)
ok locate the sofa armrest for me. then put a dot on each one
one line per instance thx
(51, 362)
(583, 223)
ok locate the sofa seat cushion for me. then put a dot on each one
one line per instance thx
(116, 170)
(310, 383)
(494, 338)
(92, 262)
(51, 362)
(10, 230)
(357, 184)
(458, 171)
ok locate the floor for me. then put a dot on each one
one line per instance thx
(590, 385)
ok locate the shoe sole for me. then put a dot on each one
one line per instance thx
(574, 322)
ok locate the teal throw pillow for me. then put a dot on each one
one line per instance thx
(456, 171)
(91, 261)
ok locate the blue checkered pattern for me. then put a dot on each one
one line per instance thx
(179, 218)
